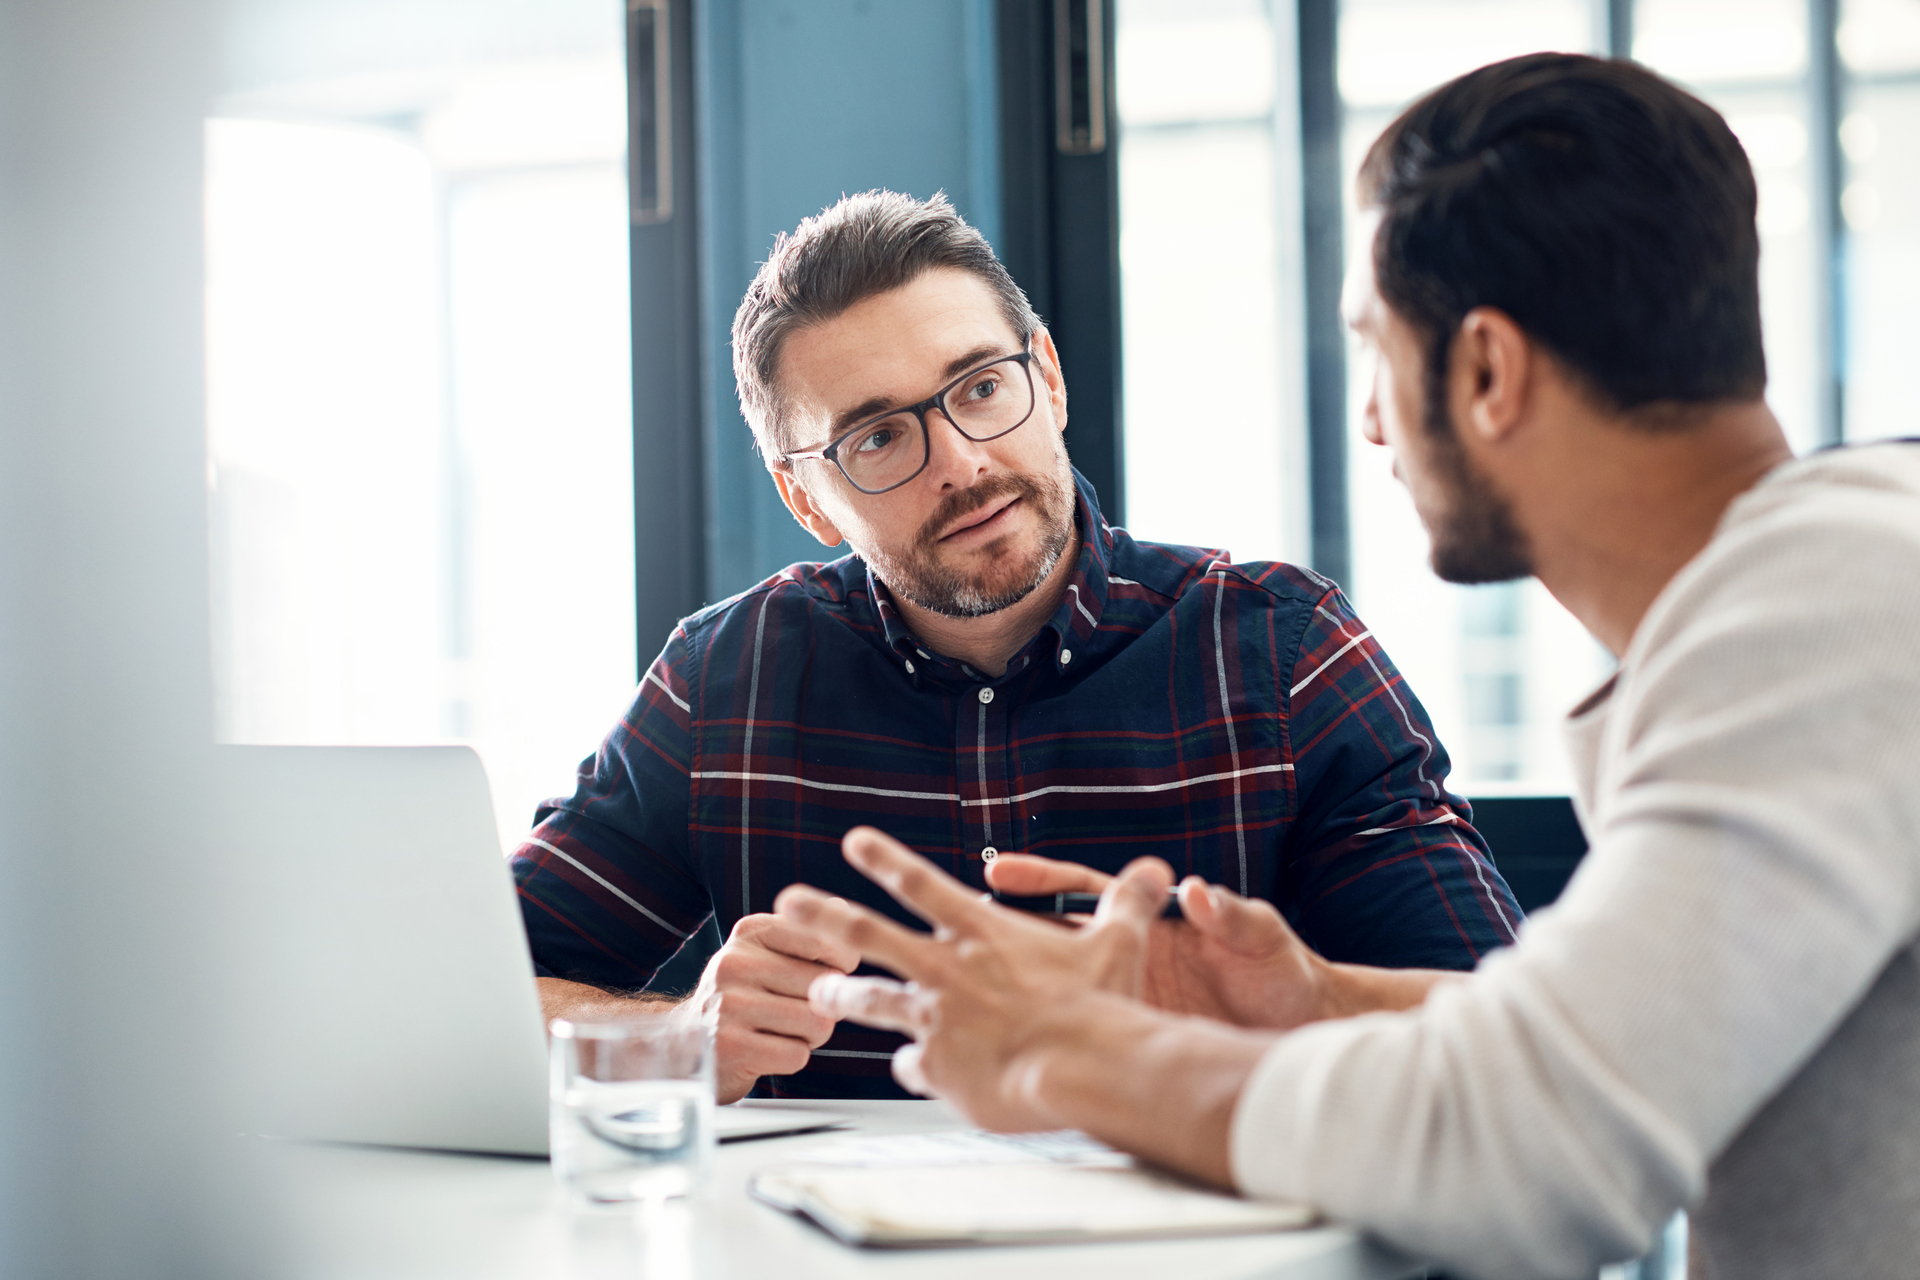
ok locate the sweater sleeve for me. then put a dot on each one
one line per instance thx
(1752, 872)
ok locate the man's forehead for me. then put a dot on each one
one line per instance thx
(894, 346)
(1359, 294)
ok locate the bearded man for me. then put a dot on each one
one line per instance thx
(995, 671)
(1556, 287)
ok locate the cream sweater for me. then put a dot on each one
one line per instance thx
(1722, 1011)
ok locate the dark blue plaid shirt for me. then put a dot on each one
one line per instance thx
(1237, 720)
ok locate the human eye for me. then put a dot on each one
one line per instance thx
(878, 437)
(982, 387)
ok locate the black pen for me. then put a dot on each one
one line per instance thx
(1062, 905)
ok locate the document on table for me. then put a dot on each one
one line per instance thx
(972, 1187)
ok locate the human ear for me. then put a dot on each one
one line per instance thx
(1046, 363)
(801, 503)
(1492, 365)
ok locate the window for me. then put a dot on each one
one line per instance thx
(419, 417)
(1879, 44)
(1748, 59)
(1209, 243)
(1212, 262)
(1496, 666)
(1211, 217)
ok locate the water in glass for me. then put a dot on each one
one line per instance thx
(616, 1141)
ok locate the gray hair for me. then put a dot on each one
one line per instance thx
(861, 246)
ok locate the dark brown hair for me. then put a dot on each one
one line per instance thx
(863, 245)
(1607, 211)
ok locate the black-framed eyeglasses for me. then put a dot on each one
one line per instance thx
(983, 404)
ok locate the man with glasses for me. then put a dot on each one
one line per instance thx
(995, 673)
(1556, 289)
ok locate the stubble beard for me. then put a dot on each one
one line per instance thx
(1475, 539)
(921, 576)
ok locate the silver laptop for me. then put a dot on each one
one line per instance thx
(388, 993)
(391, 991)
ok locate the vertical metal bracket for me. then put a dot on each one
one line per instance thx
(649, 113)
(1080, 76)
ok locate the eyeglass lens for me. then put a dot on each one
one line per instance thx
(889, 451)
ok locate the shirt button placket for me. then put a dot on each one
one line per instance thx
(987, 730)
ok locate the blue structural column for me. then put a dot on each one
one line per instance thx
(801, 101)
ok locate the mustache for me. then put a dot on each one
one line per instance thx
(964, 502)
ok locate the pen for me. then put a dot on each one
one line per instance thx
(1061, 905)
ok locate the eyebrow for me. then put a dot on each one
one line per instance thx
(874, 406)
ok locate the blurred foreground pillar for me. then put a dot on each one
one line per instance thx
(110, 1070)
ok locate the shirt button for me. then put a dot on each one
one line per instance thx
(1066, 656)
(989, 853)
(986, 696)
(909, 663)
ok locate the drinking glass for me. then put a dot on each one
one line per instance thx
(632, 1107)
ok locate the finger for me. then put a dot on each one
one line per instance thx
(787, 977)
(1030, 876)
(742, 966)
(743, 1051)
(778, 1016)
(915, 883)
(1196, 904)
(1137, 896)
(871, 1002)
(875, 937)
(791, 938)
(909, 1070)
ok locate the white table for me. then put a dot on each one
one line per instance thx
(361, 1213)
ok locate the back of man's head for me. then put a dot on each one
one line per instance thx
(1608, 212)
(862, 246)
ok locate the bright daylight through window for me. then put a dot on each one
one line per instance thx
(1210, 219)
(418, 384)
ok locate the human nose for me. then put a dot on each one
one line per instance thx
(955, 459)
(1370, 411)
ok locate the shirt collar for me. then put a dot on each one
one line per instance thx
(1073, 623)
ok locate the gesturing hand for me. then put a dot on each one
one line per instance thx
(1231, 958)
(989, 987)
(767, 1027)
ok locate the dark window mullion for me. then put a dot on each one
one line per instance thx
(1325, 260)
(1061, 221)
(669, 487)
(1826, 164)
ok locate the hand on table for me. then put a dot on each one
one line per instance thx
(1231, 958)
(766, 1026)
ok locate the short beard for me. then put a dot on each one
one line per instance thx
(920, 577)
(1476, 539)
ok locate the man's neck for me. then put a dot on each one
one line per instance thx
(1612, 520)
(988, 643)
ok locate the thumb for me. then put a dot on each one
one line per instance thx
(1137, 896)
(1247, 926)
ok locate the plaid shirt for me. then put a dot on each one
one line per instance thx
(1237, 720)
